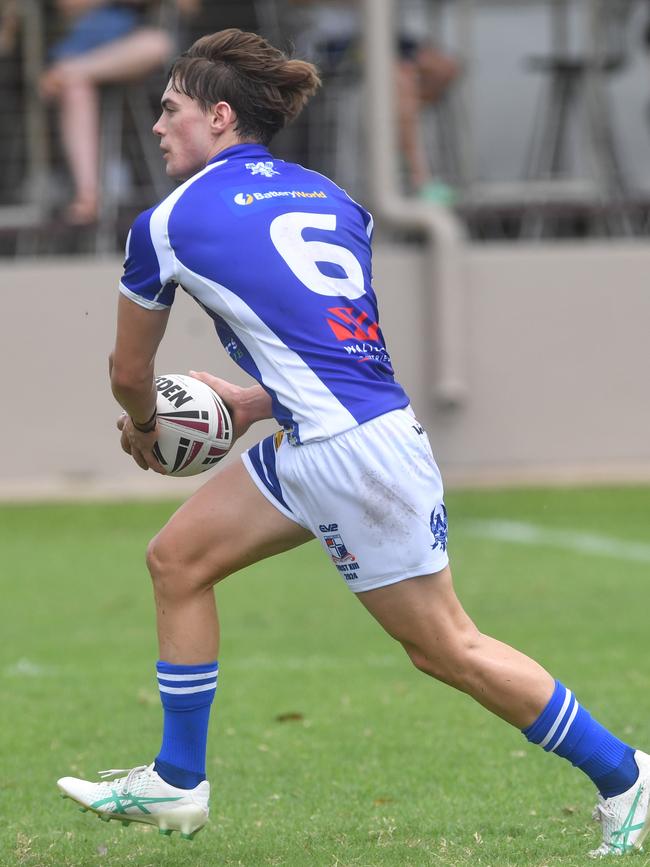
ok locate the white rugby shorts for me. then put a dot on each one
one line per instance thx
(372, 495)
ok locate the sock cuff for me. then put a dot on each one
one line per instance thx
(551, 726)
(567, 729)
(163, 667)
(186, 686)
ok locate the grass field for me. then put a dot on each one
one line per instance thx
(326, 748)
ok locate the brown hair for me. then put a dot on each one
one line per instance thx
(264, 87)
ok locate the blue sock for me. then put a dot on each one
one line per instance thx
(186, 692)
(564, 727)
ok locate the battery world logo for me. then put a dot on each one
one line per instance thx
(249, 198)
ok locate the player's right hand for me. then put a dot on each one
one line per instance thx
(139, 445)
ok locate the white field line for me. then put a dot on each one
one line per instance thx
(520, 533)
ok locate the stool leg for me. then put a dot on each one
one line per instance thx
(606, 163)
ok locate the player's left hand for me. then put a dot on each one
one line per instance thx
(139, 445)
(245, 405)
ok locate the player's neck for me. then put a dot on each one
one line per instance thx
(228, 140)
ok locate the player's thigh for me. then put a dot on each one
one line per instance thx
(226, 525)
(422, 612)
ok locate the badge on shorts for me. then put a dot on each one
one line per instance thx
(344, 561)
(338, 552)
(439, 527)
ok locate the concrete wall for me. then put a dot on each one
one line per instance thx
(557, 361)
(555, 351)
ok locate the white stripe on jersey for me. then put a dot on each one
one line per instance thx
(158, 226)
(282, 369)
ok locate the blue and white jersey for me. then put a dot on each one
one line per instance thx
(280, 258)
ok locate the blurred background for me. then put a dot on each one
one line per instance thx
(503, 147)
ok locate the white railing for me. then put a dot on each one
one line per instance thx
(444, 234)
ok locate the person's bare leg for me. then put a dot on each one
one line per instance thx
(410, 137)
(75, 83)
(79, 122)
(126, 59)
(226, 525)
(425, 616)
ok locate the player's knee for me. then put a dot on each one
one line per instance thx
(433, 665)
(158, 561)
(175, 574)
(451, 662)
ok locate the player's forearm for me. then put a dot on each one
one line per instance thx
(134, 391)
(256, 404)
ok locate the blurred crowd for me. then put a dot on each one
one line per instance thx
(84, 77)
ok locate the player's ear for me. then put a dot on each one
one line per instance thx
(222, 116)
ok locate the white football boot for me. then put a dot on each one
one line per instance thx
(141, 796)
(625, 818)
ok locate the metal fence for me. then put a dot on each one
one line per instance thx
(541, 130)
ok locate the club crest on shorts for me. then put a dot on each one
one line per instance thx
(338, 552)
(439, 527)
(344, 561)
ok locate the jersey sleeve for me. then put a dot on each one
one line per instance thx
(145, 280)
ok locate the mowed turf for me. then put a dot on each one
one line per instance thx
(326, 747)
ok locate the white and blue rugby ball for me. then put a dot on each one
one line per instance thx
(194, 426)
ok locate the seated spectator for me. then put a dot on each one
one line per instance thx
(424, 71)
(105, 43)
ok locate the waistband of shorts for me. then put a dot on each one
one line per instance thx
(408, 409)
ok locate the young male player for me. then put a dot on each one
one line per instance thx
(279, 257)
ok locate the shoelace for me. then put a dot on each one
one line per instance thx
(600, 811)
(131, 774)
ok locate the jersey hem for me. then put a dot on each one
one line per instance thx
(142, 302)
(405, 407)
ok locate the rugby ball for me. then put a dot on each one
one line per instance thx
(194, 425)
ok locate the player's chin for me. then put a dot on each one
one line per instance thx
(173, 169)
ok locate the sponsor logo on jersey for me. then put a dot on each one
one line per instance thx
(266, 169)
(249, 198)
(348, 325)
(439, 527)
(368, 352)
(233, 349)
